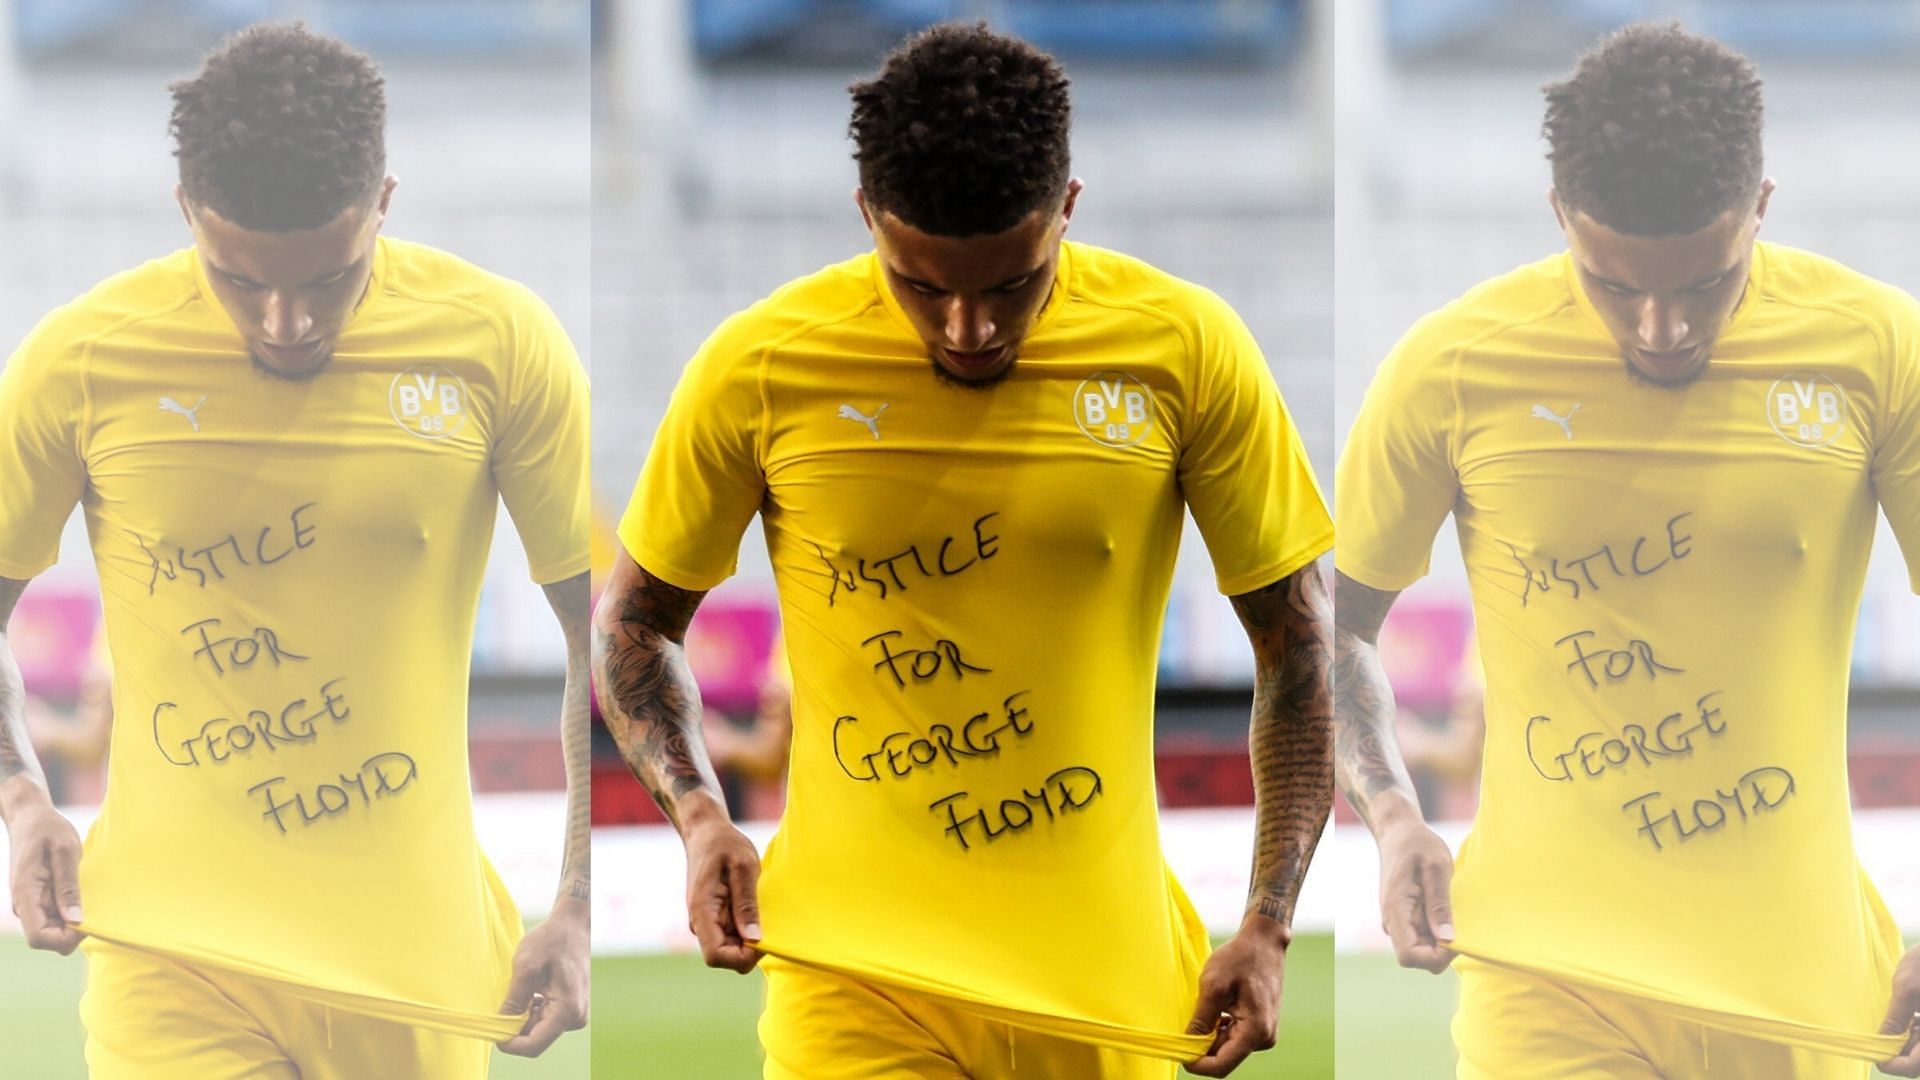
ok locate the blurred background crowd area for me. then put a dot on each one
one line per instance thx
(723, 170)
(488, 106)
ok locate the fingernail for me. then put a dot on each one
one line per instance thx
(72, 913)
(753, 931)
(1444, 931)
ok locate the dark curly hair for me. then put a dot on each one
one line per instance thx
(963, 132)
(1657, 132)
(282, 129)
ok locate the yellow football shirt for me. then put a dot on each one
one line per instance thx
(290, 572)
(972, 584)
(1665, 584)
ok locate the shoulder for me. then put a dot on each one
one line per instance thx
(153, 290)
(1814, 283)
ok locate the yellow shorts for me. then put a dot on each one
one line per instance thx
(151, 1017)
(1514, 1025)
(822, 1026)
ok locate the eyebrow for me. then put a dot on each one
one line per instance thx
(245, 280)
(1697, 283)
(1001, 284)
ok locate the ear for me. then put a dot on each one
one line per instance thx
(386, 201)
(1559, 212)
(866, 213)
(1074, 187)
(180, 196)
(1766, 196)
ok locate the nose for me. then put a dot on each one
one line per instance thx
(284, 320)
(1663, 325)
(969, 325)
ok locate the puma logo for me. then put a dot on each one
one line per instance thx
(1541, 412)
(167, 404)
(848, 412)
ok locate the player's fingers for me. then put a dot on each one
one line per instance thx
(547, 1026)
(1227, 1054)
(1406, 928)
(1436, 894)
(705, 917)
(743, 889)
(64, 860)
(40, 920)
(1215, 997)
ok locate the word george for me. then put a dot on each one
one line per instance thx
(1758, 791)
(1596, 751)
(903, 751)
(983, 547)
(1615, 664)
(1067, 790)
(222, 737)
(384, 774)
(1674, 549)
(922, 664)
(241, 652)
(205, 561)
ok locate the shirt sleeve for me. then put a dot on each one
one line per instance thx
(1243, 470)
(1396, 479)
(42, 467)
(1895, 468)
(703, 479)
(540, 453)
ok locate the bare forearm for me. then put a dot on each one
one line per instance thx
(1292, 735)
(652, 707)
(576, 749)
(1367, 758)
(20, 774)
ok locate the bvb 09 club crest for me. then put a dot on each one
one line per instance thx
(1807, 409)
(1113, 409)
(429, 401)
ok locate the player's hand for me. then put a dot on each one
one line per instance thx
(550, 979)
(45, 875)
(1903, 1016)
(1240, 996)
(723, 895)
(1416, 897)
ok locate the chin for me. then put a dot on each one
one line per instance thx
(302, 373)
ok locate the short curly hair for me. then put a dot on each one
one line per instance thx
(283, 129)
(963, 132)
(1657, 132)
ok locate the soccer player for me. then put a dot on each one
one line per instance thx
(289, 442)
(970, 449)
(1663, 450)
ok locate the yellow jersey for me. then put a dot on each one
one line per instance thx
(972, 584)
(1665, 584)
(290, 572)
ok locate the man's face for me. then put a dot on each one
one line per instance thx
(1665, 299)
(971, 300)
(289, 294)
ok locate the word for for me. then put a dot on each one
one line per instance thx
(1757, 792)
(920, 664)
(1067, 790)
(240, 650)
(204, 564)
(222, 737)
(1603, 564)
(1595, 752)
(901, 752)
(1613, 664)
(384, 774)
(953, 556)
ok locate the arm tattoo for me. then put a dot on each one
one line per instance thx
(569, 602)
(16, 753)
(647, 694)
(1290, 625)
(1366, 750)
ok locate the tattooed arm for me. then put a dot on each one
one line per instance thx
(1416, 869)
(1290, 625)
(45, 873)
(550, 969)
(652, 707)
